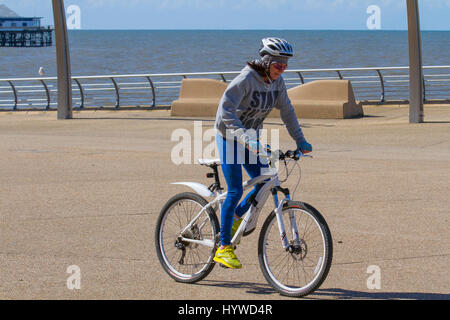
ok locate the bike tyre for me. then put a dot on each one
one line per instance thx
(327, 259)
(170, 270)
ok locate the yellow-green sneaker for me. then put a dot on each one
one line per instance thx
(227, 257)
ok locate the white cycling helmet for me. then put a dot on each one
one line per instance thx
(276, 47)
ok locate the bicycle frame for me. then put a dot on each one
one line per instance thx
(250, 218)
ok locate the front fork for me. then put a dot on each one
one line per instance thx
(278, 212)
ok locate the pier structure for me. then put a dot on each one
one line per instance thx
(29, 37)
(17, 31)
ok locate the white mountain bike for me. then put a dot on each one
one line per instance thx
(294, 248)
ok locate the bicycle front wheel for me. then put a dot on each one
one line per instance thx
(302, 267)
(186, 254)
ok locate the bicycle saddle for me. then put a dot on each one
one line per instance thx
(209, 162)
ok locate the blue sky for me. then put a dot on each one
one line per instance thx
(240, 14)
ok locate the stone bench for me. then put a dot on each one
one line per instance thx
(198, 98)
(324, 99)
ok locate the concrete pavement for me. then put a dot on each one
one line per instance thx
(87, 192)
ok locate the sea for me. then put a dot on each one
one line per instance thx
(94, 52)
(127, 52)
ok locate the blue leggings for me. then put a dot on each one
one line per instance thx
(232, 172)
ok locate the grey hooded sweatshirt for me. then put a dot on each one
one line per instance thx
(248, 100)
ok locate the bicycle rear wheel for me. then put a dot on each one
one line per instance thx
(186, 261)
(300, 269)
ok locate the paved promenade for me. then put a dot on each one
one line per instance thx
(87, 192)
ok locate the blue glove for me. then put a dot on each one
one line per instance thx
(253, 146)
(304, 147)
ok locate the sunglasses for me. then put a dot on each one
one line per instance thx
(280, 66)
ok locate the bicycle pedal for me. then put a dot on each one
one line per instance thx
(223, 266)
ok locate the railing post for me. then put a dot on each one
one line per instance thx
(424, 90)
(116, 87)
(81, 92)
(382, 86)
(339, 74)
(15, 95)
(47, 93)
(153, 91)
(301, 77)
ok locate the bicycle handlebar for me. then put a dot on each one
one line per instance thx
(290, 154)
(296, 155)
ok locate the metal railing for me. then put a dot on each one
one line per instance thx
(370, 85)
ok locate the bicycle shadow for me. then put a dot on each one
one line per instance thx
(335, 293)
(251, 287)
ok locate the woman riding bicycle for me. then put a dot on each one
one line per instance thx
(247, 101)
